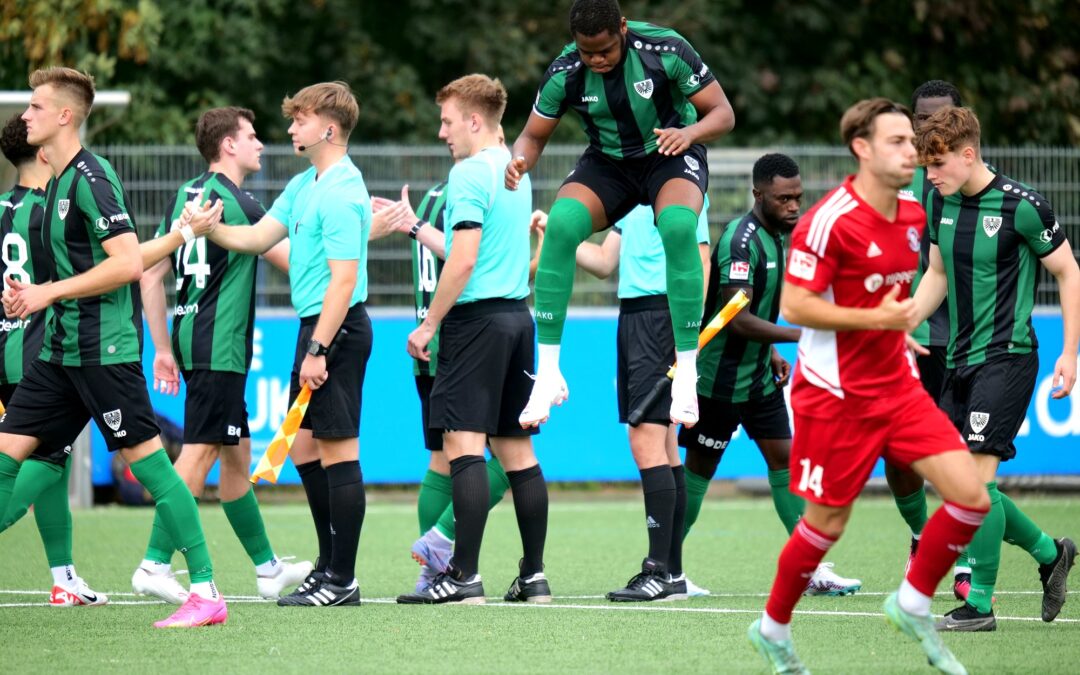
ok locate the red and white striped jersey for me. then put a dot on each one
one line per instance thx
(847, 252)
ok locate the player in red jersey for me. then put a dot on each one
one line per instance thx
(856, 393)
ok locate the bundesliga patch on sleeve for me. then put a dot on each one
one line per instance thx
(803, 265)
(740, 271)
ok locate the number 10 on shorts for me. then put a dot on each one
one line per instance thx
(811, 478)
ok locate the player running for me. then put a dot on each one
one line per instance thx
(42, 481)
(89, 364)
(856, 393)
(647, 103)
(987, 234)
(741, 375)
(211, 346)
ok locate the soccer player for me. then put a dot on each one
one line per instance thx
(434, 506)
(326, 214)
(644, 348)
(931, 335)
(89, 364)
(856, 393)
(42, 481)
(741, 375)
(479, 307)
(647, 103)
(212, 340)
(987, 233)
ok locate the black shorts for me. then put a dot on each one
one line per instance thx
(334, 410)
(622, 184)
(56, 455)
(482, 383)
(432, 437)
(215, 411)
(988, 402)
(645, 351)
(932, 372)
(763, 419)
(53, 403)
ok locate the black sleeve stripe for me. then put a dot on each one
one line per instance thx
(467, 225)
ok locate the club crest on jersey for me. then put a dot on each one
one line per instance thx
(739, 270)
(113, 418)
(991, 225)
(62, 207)
(692, 163)
(913, 239)
(978, 421)
(644, 88)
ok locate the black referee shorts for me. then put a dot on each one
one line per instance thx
(645, 351)
(486, 356)
(622, 184)
(432, 437)
(763, 419)
(215, 411)
(53, 403)
(334, 410)
(988, 402)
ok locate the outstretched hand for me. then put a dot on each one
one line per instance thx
(514, 171)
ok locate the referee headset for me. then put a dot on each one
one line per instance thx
(325, 139)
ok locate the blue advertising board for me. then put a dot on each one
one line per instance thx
(583, 441)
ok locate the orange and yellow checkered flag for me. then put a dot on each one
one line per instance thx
(269, 466)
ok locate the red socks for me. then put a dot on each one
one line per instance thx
(800, 558)
(945, 536)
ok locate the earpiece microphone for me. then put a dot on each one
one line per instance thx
(326, 137)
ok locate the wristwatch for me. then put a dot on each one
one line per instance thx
(316, 348)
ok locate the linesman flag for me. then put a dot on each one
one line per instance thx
(269, 466)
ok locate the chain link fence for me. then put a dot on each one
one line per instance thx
(152, 175)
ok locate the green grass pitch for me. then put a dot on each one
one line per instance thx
(593, 546)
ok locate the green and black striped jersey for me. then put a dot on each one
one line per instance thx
(85, 205)
(214, 318)
(426, 270)
(991, 244)
(649, 89)
(934, 332)
(22, 256)
(732, 368)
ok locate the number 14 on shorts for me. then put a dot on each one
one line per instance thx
(811, 477)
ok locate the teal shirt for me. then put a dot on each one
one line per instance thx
(328, 218)
(642, 265)
(476, 194)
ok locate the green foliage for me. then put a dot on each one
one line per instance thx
(790, 67)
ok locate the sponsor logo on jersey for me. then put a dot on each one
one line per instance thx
(913, 239)
(803, 265)
(1048, 234)
(946, 221)
(113, 418)
(693, 80)
(62, 207)
(873, 282)
(232, 431)
(873, 250)
(991, 225)
(704, 70)
(183, 310)
(7, 326)
(644, 88)
(978, 421)
(119, 218)
(739, 270)
(702, 439)
(590, 99)
(771, 265)
(101, 224)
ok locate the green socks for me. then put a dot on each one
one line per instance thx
(436, 493)
(1023, 532)
(569, 224)
(179, 513)
(34, 478)
(984, 553)
(685, 278)
(247, 523)
(696, 487)
(52, 510)
(499, 484)
(913, 509)
(9, 469)
(788, 506)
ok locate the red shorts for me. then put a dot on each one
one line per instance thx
(831, 458)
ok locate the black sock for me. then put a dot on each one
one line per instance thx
(658, 484)
(531, 507)
(313, 476)
(471, 486)
(678, 521)
(347, 505)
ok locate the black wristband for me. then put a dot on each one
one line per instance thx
(416, 228)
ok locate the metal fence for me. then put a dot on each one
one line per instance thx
(152, 174)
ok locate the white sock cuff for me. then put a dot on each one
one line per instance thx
(547, 358)
(912, 601)
(773, 630)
